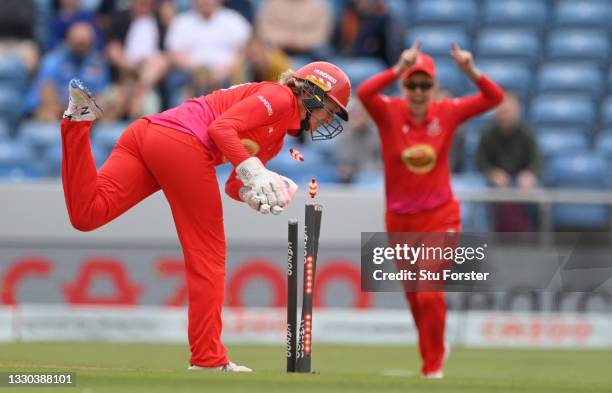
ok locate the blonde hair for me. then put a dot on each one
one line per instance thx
(288, 79)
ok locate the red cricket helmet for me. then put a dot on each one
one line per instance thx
(331, 79)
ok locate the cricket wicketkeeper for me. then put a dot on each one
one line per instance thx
(176, 151)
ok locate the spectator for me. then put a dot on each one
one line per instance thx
(508, 156)
(76, 58)
(367, 30)
(16, 32)
(299, 27)
(135, 51)
(207, 43)
(68, 12)
(359, 146)
(264, 62)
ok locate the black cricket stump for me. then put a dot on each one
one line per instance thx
(312, 227)
(292, 292)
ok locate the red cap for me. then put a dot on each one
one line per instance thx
(424, 64)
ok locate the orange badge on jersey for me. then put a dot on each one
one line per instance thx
(251, 146)
(419, 158)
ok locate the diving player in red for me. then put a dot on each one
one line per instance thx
(177, 151)
(416, 136)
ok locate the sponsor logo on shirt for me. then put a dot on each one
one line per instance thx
(419, 158)
(266, 104)
(270, 130)
(405, 128)
(251, 146)
(433, 128)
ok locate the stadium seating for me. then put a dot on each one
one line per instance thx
(566, 77)
(472, 140)
(606, 112)
(445, 12)
(437, 41)
(603, 144)
(450, 77)
(563, 110)
(105, 136)
(573, 44)
(553, 144)
(13, 73)
(52, 156)
(401, 9)
(39, 136)
(511, 75)
(359, 69)
(585, 13)
(10, 104)
(475, 217)
(516, 13)
(17, 162)
(509, 43)
(5, 131)
(581, 170)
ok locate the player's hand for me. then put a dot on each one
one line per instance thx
(292, 188)
(464, 61)
(267, 184)
(260, 203)
(499, 178)
(526, 179)
(255, 201)
(407, 58)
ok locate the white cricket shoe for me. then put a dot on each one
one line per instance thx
(434, 375)
(230, 367)
(440, 374)
(81, 104)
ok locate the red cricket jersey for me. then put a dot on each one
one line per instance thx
(245, 120)
(416, 156)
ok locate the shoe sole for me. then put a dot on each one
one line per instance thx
(78, 87)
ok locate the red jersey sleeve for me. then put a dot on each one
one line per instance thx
(489, 97)
(233, 184)
(267, 106)
(369, 92)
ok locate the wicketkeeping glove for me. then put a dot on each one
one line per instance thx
(259, 202)
(263, 182)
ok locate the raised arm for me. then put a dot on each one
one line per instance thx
(369, 92)
(490, 94)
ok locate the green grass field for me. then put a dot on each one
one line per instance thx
(134, 368)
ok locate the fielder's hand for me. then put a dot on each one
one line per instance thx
(265, 183)
(260, 203)
(407, 58)
(465, 61)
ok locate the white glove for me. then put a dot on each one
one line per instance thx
(259, 203)
(266, 183)
(255, 201)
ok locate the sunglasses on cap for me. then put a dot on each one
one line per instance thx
(424, 86)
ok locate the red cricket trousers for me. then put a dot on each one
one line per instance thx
(428, 308)
(148, 158)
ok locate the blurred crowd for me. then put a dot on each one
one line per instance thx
(142, 56)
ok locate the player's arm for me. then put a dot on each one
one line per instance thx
(236, 189)
(370, 91)
(490, 94)
(263, 108)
